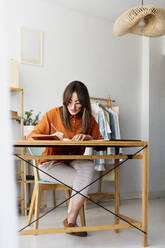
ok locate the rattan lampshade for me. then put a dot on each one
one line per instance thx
(153, 18)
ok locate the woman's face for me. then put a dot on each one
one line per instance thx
(74, 106)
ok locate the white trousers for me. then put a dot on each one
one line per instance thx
(77, 174)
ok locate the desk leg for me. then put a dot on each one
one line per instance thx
(145, 196)
(22, 188)
(117, 190)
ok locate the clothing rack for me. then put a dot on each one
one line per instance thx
(99, 195)
(108, 101)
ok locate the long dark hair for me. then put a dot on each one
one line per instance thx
(83, 97)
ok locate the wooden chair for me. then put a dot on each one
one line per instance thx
(40, 186)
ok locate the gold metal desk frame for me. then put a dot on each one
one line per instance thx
(143, 224)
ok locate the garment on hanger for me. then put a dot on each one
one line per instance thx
(108, 123)
(115, 134)
(105, 131)
(102, 119)
(114, 122)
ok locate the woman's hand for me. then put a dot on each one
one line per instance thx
(30, 138)
(80, 137)
(59, 135)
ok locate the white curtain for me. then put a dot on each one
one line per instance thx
(8, 218)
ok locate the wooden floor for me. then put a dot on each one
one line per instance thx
(126, 238)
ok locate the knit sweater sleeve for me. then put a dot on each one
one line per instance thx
(43, 127)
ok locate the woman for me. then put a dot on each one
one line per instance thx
(74, 121)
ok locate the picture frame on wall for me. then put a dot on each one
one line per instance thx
(31, 46)
(13, 73)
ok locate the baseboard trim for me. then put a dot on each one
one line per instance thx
(123, 196)
(137, 195)
(156, 194)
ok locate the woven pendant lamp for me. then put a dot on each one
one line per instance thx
(146, 20)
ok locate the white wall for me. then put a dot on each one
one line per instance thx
(145, 88)
(81, 47)
(8, 227)
(153, 120)
(157, 117)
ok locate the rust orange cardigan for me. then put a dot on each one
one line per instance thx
(45, 127)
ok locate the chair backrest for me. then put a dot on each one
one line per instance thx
(35, 151)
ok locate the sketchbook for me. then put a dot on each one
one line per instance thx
(45, 137)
